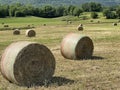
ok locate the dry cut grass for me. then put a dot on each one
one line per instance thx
(102, 72)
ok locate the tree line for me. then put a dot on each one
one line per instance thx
(48, 11)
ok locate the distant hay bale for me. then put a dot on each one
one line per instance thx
(44, 24)
(2, 23)
(69, 22)
(75, 46)
(16, 32)
(91, 20)
(30, 33)
(84, 18)
(27, 63)
(80, 28)
(114, 24)
(28, 26)
(118, 21)
(6, 25)
(98, 21)
(81, 25)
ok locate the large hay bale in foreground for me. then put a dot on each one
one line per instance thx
(75, 46)
(30, 33)
(27, 63)
(16, 32)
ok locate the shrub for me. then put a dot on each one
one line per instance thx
(94, 15)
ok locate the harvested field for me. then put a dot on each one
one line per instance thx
(101, 72)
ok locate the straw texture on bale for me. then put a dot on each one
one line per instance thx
(75, 46)
(16, 32)
(27, 63)
(30, 33)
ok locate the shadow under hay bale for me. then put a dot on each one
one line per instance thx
(16, 32)
(75, 46)
(27, 63)
(96, 58)
(30, 33)
(61, 81)
(58, 81)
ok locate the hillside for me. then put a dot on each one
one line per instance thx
(60, 2)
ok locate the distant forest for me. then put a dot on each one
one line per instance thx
(60, 2)
(50, 11)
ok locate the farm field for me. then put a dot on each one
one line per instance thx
(102, 72)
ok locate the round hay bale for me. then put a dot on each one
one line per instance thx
(98, 21)
(118, 21)
(81, 25)
(16, 32)
(80, 28)
(69, 22)
(30, 33)
(44, 24)
(27, 63)
(75, 46)
(91, 20)
(6, 25)
(114, 24)
(3, 23)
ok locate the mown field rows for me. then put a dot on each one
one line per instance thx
(102, 72)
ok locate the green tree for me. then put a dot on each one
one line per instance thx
(118, 12)
(36, 12)
(92, 6)
(86, 7)
(71, 9)
(94, 15)
(95, 7)
(109, 14)
(77, 12)
(49, 12)
(12, 10)
(29, 10)
(60, 11)
(3, 11)
(19, 14)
